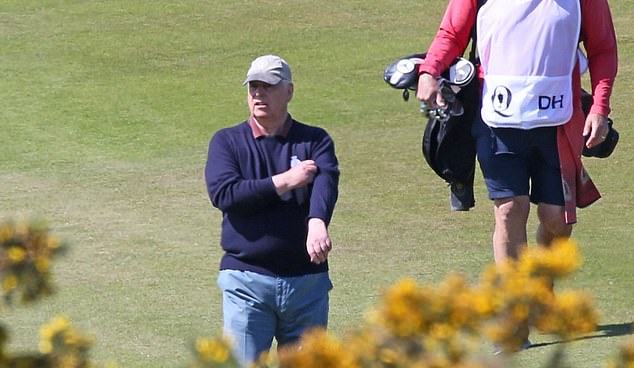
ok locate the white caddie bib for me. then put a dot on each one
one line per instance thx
(528, 49)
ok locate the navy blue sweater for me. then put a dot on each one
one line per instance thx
(261, 231)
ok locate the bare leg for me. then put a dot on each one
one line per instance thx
(511, 215)
(551, 224)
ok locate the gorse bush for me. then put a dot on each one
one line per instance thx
(414, 325)
(213, 352)
(25, 256)
(27, 251)
(449, 325)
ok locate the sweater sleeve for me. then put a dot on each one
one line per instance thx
(227, 188)
(452, 38)
(599, 40)
(325, 184)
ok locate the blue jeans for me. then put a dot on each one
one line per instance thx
(257, 308)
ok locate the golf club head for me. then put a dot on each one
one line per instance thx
(403, 73)
(461, 72)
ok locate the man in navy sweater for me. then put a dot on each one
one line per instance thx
(276, 182)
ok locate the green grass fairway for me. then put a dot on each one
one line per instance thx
(105, 115)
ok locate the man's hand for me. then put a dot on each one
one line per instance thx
(428, 91)
(596, 129)
(318, 243)
(298, 176)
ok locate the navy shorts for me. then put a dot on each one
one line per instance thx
(517, 162)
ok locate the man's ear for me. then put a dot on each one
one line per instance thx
(290, 91)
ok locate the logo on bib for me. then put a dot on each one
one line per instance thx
(501, 99)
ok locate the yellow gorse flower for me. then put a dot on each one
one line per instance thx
(58, 336)
(445, 323)
(26, 251)
(213, 350)
(571, 313)
(401, 311)
(317, 349)
(9, 283)
(52, 242)
(559, 259)
(49, 331)
(16, 254)
(42, 264)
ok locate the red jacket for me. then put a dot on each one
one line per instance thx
(599, 40)
(597, 36)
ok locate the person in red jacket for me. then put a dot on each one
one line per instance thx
(531, 130)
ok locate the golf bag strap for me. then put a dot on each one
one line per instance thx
(473, 54)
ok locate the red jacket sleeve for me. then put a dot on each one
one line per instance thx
(452, 38)
(599, 40)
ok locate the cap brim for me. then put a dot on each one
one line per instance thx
(266, 78)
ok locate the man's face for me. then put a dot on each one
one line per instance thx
(269, 102)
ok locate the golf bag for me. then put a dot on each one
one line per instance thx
(447, 144)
